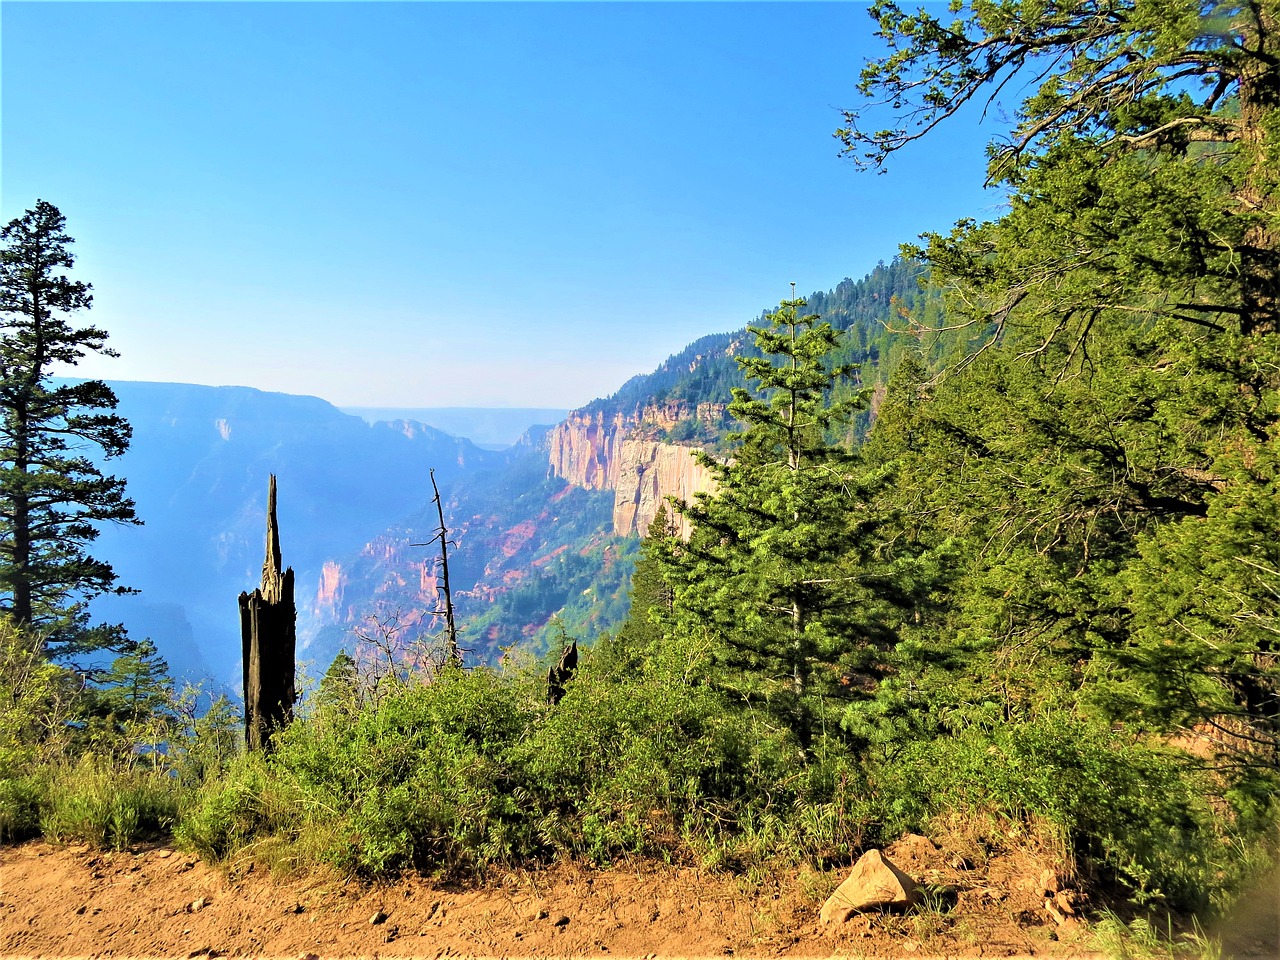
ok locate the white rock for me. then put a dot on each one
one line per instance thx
(874, 883)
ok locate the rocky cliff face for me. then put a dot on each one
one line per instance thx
(629, 456)
(329, 592)
(406, 584)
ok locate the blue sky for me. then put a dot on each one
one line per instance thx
(451, 204)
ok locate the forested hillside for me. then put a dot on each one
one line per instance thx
(987, 552)
(870, 312)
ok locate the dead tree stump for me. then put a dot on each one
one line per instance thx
(561, 673)
(268, 638)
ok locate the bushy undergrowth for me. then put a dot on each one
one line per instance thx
(474, 769)
(20, 800)
(76, 766)
(99, 802)
(1128, 811)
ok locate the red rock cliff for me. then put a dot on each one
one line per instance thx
(624, 454)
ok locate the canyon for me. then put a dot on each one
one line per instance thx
(544, 533)
(544, 542)
(544, 530)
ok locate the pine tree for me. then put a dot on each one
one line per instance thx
(132, 705)
(339, 693)
(652, 597)
(137, 686)
(52, 496)
(781, 568)
(1104, 440)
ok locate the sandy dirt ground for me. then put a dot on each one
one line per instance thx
(161, 902)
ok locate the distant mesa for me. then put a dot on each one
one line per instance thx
(495, 428)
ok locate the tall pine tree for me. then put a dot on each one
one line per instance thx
(782, 571)
(52, 495)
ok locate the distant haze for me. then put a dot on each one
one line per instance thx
(484, 426)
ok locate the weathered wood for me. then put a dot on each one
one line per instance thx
(268, 639)
(560, 674)
(450, 628)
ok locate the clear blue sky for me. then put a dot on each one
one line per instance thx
(439, 204)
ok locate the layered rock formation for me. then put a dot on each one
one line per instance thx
(329, 592)
(406, 584)
(647, 472)
(629, 455)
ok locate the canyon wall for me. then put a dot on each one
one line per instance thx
(629, 456)
(407, 586)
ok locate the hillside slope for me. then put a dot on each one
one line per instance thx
(547, 542)
(198, 469)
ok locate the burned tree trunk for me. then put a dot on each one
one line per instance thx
(450, 628)
(561, 673)
(268, 637)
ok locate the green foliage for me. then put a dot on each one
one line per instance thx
(1141, 939)
(1205, 600)
(207, 736)
(132, 702)
(784, 567)
(98, 802)
(338, 696)
(473, 769)
(109, 766)
(35, 702)
(244, 805)
(1123, 808)
(414, 779)
(652, 606)
(21, 797)
(620, 767)
(51, 495)
(137, 684)
(1097, 436)
(1182, 77)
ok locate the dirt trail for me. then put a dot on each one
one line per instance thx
(160, 902)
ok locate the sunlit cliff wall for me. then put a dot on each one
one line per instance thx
(624, 454)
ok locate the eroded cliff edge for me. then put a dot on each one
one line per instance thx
(631, 455)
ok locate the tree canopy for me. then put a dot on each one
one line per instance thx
(1186, 89)
(52, 494)
(1103, 434)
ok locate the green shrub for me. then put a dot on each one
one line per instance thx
(1126, 808)
(245, 803)
(418, 779)
(205, 742)
(108, 806)
(651, 766)
(21, 798)
(474, 769)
